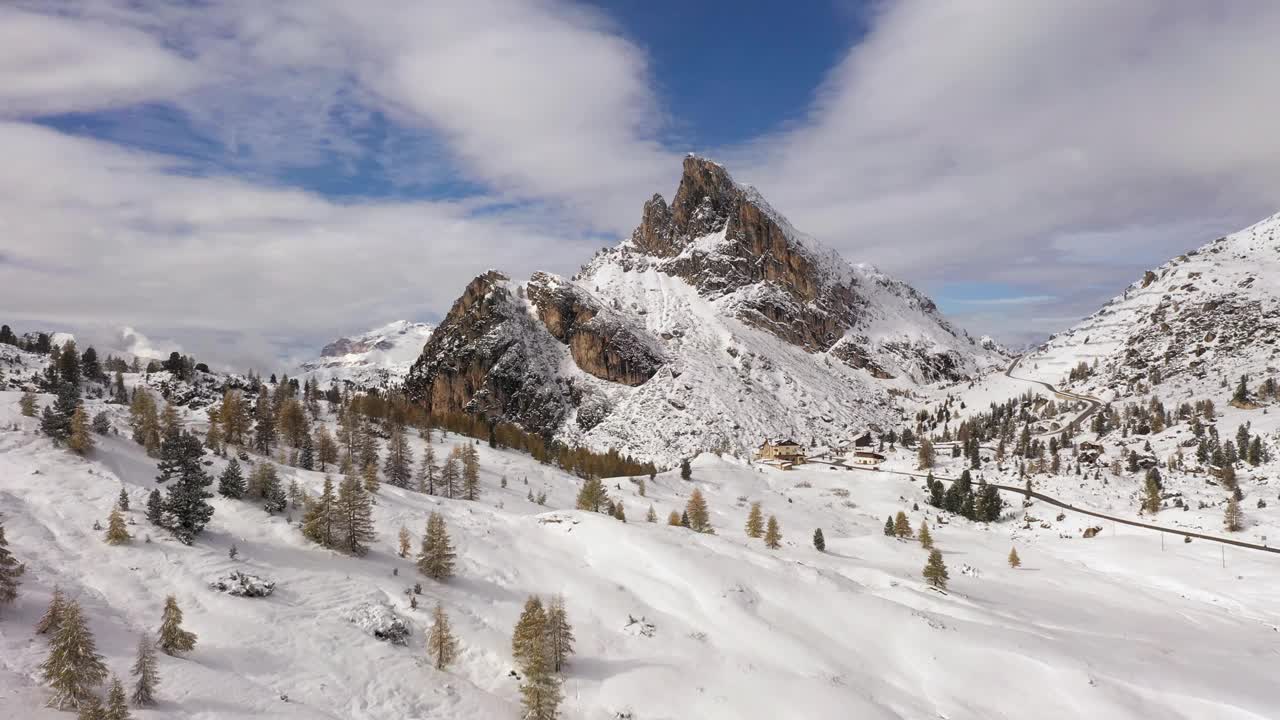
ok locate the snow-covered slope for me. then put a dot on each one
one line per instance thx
(724, 628)
(1208, 315)
(378, 358)
(715, 326)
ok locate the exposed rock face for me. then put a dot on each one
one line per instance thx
(715, 326)
(600, 342)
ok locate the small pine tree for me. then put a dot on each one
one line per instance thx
(353, 525)
(619, 512)
(592, 495)
(27, 404)
(10, 571)
(1014, 560)
(404, 542)
(437, 556)
(528, 639)
(231, 481)
(888, 526)
(80, 439)
(117, 533)
(901, 525)
(48, 623)
(1151, 494)
(773, 534)
(144, 669)
(122, 502)
(926, 537)
(559, 633)
(117, 703)
(442, 646)
(319, 523)
(819, 542)
(155, 509)
(91, 708)
(74, 666)
(686, 472)
(1233, 516)
(673, 519)
(755, 521)
(935, 571)
(696, 509)
(173, 639)
(651, 515)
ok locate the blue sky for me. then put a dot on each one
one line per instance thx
(275, 174)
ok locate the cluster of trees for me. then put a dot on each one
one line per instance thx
(982, 503)
(74, 669)
(341, 520)
(541, 645)
(771, 531)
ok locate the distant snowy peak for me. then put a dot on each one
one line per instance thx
(378, 358)
(1210, 313)
(714, 326)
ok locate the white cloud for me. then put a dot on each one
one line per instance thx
(60, 64)
(115, 237)
(976, 139)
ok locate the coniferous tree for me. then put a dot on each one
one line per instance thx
(186, 505)
(686, 471)
(307, 456)
(144, 669)
(773, 534)
(122, 501)
(155, 509)
(269, 488)
(755, 521)
(528, 641)
(117, 703)
(819, 542)
(619, 512)
(696, 509)
(925, 455)
(10, 572)
(592, 495)
(27, 404)
(117, 533)
(651, 516)
(326, 448)
(935, 571)
(673, 519)
(427, 471)
(231, 482)
(264, 428)
(1014, 560)
(53, 614)
(437, 556)
(354, 508)
(80, 434)
(926, 538)
(442, 646)
(74, 666)
(404, 542)
(55, 419)
(901, 525)
(173, 638)
(1151, 495)
(888, 527)
(399, 463)
(1233, 517)
(450, 476)
(559, 633)
(320, 520)
(470, 472)
(370, 478)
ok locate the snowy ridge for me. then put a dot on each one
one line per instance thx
(378, 358)
(1206, 315)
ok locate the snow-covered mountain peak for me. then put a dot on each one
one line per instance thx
(715, 325)
(377, 358)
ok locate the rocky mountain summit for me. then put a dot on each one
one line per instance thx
(715, 325)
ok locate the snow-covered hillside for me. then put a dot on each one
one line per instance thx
(378, 358)
(669, 623)
(715, 326)
(1208, 315)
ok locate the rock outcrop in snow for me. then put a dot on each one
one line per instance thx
(243, 585)
(714, 326)
(381, 621)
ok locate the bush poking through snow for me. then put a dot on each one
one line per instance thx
(243, 585)
(380, 621)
